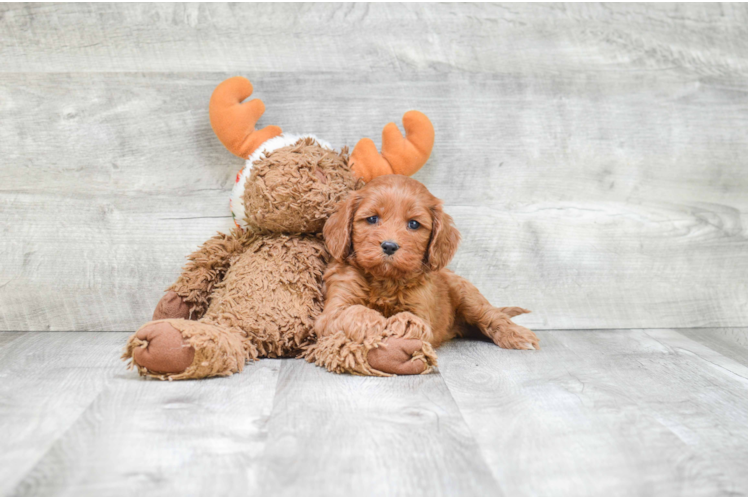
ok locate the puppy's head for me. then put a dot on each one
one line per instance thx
(393, 227)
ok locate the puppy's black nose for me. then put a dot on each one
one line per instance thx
(389, 247)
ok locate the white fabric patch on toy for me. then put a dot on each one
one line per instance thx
(238, 210)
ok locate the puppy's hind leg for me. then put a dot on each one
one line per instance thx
(494, 322)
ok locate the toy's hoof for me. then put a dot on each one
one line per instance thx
(395, 356)
(171, 305)
(164, 350)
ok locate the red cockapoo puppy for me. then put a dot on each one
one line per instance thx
(389, 301)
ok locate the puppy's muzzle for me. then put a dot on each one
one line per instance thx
(389, 247)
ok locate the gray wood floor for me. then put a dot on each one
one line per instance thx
(613, 412)
(593, 156)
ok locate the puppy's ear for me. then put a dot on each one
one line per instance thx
(339, 226)
(444, 240)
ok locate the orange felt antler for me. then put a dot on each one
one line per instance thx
(234, 121)
(400, 155)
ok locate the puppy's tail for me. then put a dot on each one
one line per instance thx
(513, 311)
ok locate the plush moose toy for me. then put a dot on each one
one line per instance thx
(256, 291)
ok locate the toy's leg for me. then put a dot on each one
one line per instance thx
(171, 305)
(361, 341)
(205, 269)
(177, 349)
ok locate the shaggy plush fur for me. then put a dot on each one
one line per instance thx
(295, 189)
(256, 293)
(389, 300)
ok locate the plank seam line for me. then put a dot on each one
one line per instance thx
(105, 387)
(697, 355)
(472, 436)
(264, 458)
(30, 470)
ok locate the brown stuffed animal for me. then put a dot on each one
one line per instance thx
(256, 291)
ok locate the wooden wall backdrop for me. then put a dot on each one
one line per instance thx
(595, 157)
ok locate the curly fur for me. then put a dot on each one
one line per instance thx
(206, 268)
(374, 298)
(272, 293)
(256, 293)
(296, 188)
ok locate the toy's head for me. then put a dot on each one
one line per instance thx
(294, 189)
(292, 184)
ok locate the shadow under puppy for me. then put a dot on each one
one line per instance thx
(389, 301)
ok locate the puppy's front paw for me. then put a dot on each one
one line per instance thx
(407, 324)
(400, 356)
(515, 337)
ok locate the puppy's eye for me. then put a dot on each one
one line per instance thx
(414, 224)
(373, 219)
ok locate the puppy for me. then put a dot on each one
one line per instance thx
(389, 301)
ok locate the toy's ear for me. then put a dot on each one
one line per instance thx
(234, 121)
(339, 227)
(445, 239)
(400, 155)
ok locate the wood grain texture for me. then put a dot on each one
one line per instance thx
(334, 435)
(592, 155)
(302, 38)
(150, 438)
(8, 337)
(48, 381)
(617, 412)
(582, 243)
(729, 342)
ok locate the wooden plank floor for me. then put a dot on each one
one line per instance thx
(595, 412)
